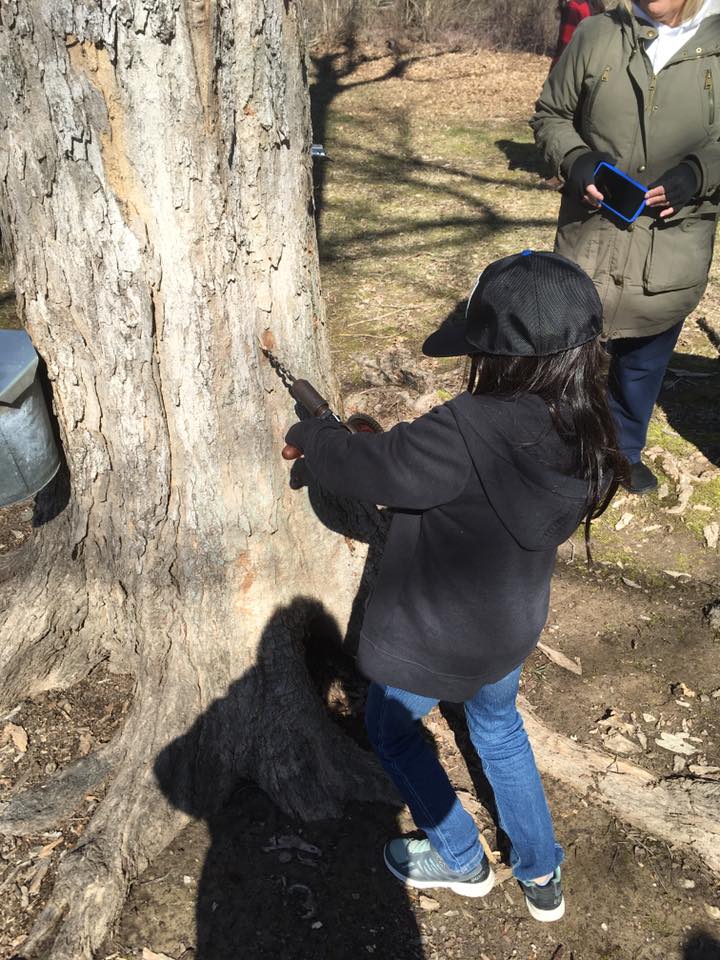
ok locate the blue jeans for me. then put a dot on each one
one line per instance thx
(637, 368)
(498, 735)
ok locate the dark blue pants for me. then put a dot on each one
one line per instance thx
(637, 368)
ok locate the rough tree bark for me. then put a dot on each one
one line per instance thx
(155, 187)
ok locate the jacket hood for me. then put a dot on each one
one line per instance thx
(525, 468)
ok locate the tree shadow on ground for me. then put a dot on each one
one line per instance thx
(689, 399)
(523, 156)
(332, 70)
(701, 945)
(376, 164)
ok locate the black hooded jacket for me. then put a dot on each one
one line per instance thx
(483, 491)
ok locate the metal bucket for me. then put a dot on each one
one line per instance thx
(29, 457)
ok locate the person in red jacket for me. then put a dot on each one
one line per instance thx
(571, 13)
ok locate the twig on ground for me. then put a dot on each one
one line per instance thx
(558, 658)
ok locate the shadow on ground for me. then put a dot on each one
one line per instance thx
(270, 885)
(523, 156)
(689, 398)
(701, 946)
(376, 163)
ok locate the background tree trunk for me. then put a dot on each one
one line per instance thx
(155, 186)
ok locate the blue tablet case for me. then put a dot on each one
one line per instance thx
(640, 186)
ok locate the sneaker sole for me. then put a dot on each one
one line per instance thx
(546, 916)
(463, 889)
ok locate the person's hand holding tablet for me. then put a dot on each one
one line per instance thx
(674, 189)
(581, 177)
(620, 194)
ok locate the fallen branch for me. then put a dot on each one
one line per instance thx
(682, 811)
(560, 660)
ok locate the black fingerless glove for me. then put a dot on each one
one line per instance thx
(582, 172)
(681, 184)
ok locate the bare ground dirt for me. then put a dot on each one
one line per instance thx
(432, 175)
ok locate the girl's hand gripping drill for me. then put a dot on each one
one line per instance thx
(307, 396)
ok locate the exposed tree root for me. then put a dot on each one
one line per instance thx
(683, 811)
(269, 726)
(42, 808)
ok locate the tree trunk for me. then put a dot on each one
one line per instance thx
(155, 186)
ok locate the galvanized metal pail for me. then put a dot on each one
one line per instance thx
(29, 456)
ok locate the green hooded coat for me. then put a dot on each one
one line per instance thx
(603, 95)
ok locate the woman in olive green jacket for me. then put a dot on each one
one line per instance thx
(639, 86)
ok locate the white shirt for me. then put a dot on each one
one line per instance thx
(671, 39)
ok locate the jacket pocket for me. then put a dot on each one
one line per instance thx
(680, 254)
(709, 87)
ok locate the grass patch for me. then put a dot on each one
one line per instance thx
(660, 435)
(706, 495)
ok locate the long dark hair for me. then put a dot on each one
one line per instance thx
(573, 384)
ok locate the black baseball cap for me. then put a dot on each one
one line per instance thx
(532, 304)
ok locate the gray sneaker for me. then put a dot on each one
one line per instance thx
(545, 903)
(417, 864)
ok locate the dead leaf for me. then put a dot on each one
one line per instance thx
(503, 873)
(574, 666)
(676, 573)
(291, 843)
(151, 955)
(679, 763)
(428, 903)
(38, 878)
(614, 723)
(617, 743)
(675, 743)
(712, 534)
(712, 912)
(624, 520)
(631, 583)
(18, 735)
(704, 770)
(49, 847)
(308, 899)
(85, 744)
(685, 492)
